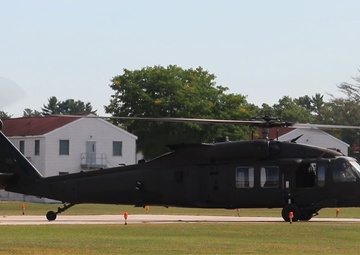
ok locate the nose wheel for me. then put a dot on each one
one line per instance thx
(51, 215)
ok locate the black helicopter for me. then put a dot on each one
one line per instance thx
(260, 173)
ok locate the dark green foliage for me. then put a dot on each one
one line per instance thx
(31, 113)
(4, 115)
(69, 106)
(175, 92)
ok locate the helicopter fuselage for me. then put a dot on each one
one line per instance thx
(244, 174)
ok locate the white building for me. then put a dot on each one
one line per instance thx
(59, 145)
(314, 136)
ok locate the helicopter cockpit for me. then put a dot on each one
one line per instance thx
(346, 171)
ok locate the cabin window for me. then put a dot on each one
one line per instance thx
(244, 177)
(343, 172)
(37, 147)
(64, 147)
(321, 169)
(22, 146)
(306, 175)
(310, 175)
(269, 177)
(117, 148)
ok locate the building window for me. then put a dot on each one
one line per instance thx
(117, 148)
(37, 147)
(22, 146)
(64, 147)
(244, 177)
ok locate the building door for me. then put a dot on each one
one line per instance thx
(90, 153)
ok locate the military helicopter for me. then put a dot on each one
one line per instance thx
(259, 173)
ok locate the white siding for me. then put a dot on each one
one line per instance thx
(49, 162)
(78, 133)
(29, 150)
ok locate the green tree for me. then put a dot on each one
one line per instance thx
(313, 105)
(317, 103)
(69, 106)
(305, 102)
(4, 115)
(31, 113)
(302, 109)
(267, 110)
(52, 107)
(289, 109)
(175, 92)
(351, 90)
(345, 111)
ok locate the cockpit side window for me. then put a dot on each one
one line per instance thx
(343, 172)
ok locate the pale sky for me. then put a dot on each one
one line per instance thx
(262, 49)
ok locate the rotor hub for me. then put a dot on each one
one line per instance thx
(266, 122)
(270, 122)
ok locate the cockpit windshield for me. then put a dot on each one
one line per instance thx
(355, 167)
(348, 171)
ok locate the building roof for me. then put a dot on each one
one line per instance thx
(34, 125)
(311, 134)
(287, 131)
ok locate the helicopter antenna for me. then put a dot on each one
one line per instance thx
(265, 133)
(296, 138)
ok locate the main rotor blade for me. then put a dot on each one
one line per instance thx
(192, 120)
(323, 126)
(257, 123)
(168, 119)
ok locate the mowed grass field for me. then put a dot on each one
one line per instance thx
(14, 208)
(183, 238)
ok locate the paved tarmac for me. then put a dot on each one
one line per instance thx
(146, 219)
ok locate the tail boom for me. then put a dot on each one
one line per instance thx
(14, 166)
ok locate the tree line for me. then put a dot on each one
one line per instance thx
(193, 93)
(54, 106)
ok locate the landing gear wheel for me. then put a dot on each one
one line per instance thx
(51, 216)
(291, 208)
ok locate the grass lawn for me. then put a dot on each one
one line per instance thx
(14, 208)
(188, 238)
